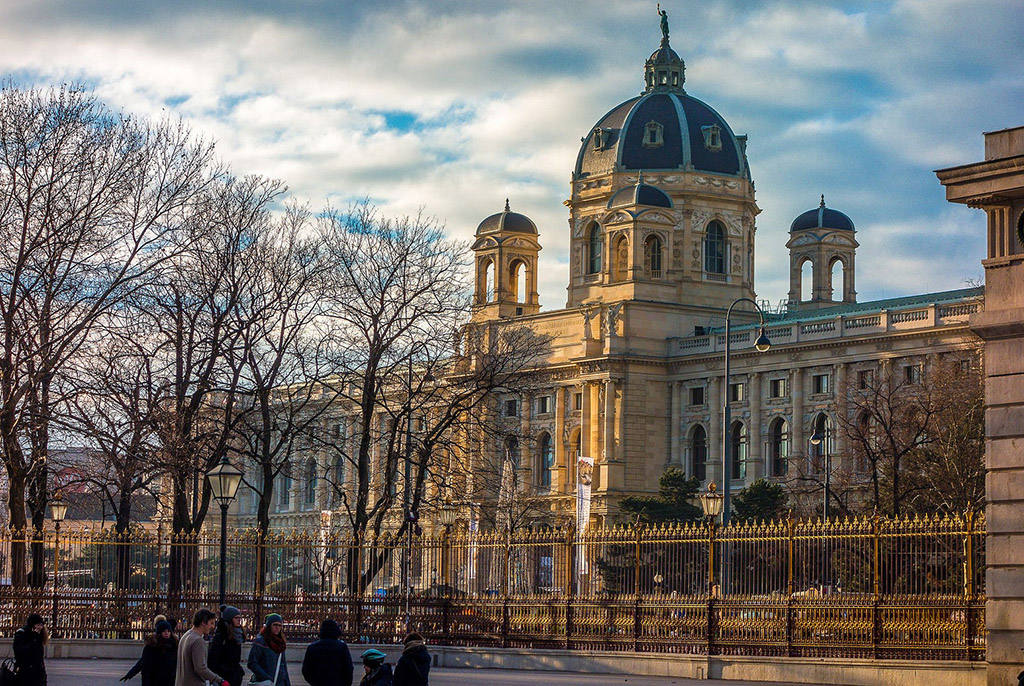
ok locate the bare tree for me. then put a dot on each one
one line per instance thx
(91, 202)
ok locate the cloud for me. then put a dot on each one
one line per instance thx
(454, 106)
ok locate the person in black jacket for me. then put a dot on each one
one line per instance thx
(414, 665)
(328, 661)
(225, 656)
(29, 642)
(159, 657)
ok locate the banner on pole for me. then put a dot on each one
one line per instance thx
(584, 479)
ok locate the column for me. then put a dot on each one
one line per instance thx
(714, 464)
(526, 445)
(798, 445)
(755, 468)
(593, 425)
(841, 391)
(609, 420)
(620, 422)
(561, 471)
(674, 390)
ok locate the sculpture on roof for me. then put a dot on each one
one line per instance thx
(664, 24)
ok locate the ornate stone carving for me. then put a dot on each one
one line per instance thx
(612, 320)
(589, 313)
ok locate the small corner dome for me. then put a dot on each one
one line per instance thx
(640, 194)
(822, 217)
(507, 221)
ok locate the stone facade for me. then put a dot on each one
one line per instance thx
(996, 185)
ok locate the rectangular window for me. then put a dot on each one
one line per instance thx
(865, 377)
(544, 404)
(777, 388)
(697, 395)
(821, 384)
(912, 373)
(511, 407)
(736, 392)
(577, 401)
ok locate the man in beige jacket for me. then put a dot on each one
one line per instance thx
(192, 669)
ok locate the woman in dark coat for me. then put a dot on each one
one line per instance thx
(225, 656)
(413, 667)
(159, 657)
(29, 642)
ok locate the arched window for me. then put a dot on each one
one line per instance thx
(546, 460)
(284, 493)
(806, 281)
(714, 248)
(517, 284)
(698, 453)
(778, 446)
(652, 257)
(489, 281)
(620, 259)
(838, 280)
(594, 245)
(738, 450)
(339, 479)
(822, 427)
(311, 482)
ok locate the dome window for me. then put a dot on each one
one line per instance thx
(654, 135)
(712, 137)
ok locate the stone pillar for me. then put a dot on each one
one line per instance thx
(609, 420)
(796, 428)
(755, 441)
(561, 471)
(714, 463)
(838, 444)
(997, 186)
(674, 390)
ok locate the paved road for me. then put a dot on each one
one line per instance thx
(102, 672)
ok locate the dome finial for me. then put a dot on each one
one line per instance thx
(509, 209)
(822, 200)
(664, 25)
(640, 178)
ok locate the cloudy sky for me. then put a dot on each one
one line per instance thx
(452, 106)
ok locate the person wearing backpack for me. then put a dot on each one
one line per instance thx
(226, 646)
(413, 667)
(266, 656)
(29, 645)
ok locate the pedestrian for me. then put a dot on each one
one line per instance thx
(376, 672)
(328, 661)
(29, 644)
(226, 646)
(266, 655)
(414, 665)
(159, 660)
(192, 669)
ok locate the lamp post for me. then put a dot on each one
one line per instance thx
(711, 504)
(447, 517)
(58, 511)
(762, 344)
(224, 479)
(820, 440)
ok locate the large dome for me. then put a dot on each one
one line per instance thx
(660, 130)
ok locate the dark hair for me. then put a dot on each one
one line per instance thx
(202, 617)
(413, 636)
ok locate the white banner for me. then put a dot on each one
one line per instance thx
(584, 480)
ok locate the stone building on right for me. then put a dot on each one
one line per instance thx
(996, 185)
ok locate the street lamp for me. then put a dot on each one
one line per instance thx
(711, 504)
(447, 517)
(58, 511)
(224, 479)
(819, 440)
(761, 344)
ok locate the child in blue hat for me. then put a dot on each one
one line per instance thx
(377, 672)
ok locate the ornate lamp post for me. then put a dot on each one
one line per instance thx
(819, 440)
(224, 479)
(711, 502)
(446, 517)
(58, 511)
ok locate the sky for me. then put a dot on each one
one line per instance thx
(450, 107)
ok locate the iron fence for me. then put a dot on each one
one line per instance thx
(878, 588)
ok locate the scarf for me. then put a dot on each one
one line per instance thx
(275, 643)
(412, 644)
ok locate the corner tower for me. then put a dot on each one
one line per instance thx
(662, 206)
(505, 261)
(823, 240)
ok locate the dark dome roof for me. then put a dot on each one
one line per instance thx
(507, 221)
(640, 194)
(693, 137)
(822, 217)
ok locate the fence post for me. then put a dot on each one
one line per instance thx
(711, 587)
(570, 586)
(876, 626)
(790, 555)
(969, 585)
(505, 618)
(636, 590)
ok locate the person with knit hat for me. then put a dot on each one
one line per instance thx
(414, 665)
(328, 661)
(266, 656)
(159, 659)
(376, 672)
(28, 645)
(226, 646)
